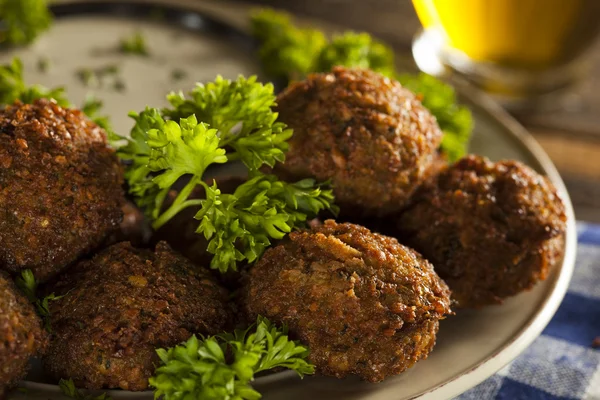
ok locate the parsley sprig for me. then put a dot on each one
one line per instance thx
(216, 123)
(68, 388)
(13, 87)
(287, 52)
(21, 21)
(358, 50)
(263, 208)
(28, 285)
(223, 367)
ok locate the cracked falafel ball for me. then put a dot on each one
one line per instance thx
(60, 188)
(490, 229)
(22, 335)
(363, 303)
(122, 305)
(363, 131)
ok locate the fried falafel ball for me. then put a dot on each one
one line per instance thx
(22, 335)
(366, 133)
(490, 229)
(60, 185)
(363, 303)
(122, 305)
(386, 225)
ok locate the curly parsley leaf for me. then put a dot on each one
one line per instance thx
(216, 123)
(274, 29)
(160, 153)
(67, 387)
(13, 87)
(241, 111)
(358, 50)
(22, 21)
(136, 152)
(286, 51)
(223, 367)
(240, 226)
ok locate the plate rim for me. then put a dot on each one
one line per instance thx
(534, 327)
(550, 303)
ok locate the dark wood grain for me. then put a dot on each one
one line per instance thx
(570, 132)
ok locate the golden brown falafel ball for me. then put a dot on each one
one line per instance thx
(363, 303)
(60, 187)
(122, 305)
(21, 334)
(491, 230)
(365, 132)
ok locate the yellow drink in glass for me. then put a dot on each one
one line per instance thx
(513, 47)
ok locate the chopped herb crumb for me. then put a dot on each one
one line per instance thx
(178, 74)
(88, 77)
(119, 85)
(43, 64)
(100, 77)
(135, 44)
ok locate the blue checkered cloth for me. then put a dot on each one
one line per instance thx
(561, 363)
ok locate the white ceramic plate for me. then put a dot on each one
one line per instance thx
(471, 346)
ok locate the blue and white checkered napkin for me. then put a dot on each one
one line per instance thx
(561, 363)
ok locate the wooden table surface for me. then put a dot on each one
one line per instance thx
(571, 135)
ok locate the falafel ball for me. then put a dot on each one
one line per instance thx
(363, 131)
(490, 229)
(122, 305)
(386, 225)
(60, 187)
(22, 335)
(363, 303)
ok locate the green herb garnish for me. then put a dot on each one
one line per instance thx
(223, 367)
(12, 87)
(22, 21)
(219, 122)
(97, 77)
(67, 387)
(88, 77)
(287, 52)
(178, 74)
(358, 50)
(134, 44)
(43, 64)
(28, 285)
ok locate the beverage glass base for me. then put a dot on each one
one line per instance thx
(516, 89)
